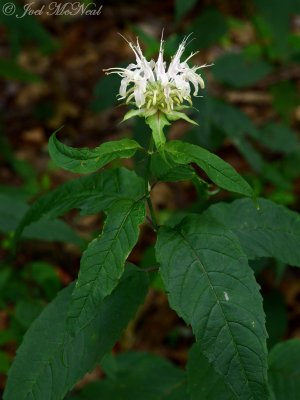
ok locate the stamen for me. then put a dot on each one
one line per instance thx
(154, 97)
(129, 98)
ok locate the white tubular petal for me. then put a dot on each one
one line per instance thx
(201, 82)
(190, 56)
(160, 72)
(131, 66)
(203, 66)
(167, 91)
(137, 57)
(175, 62)
(139, 97)
(118, 71)
(153, 82)
(183, 86)
(195, 82)
(123, 87)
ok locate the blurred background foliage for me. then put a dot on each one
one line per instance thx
(51, 75)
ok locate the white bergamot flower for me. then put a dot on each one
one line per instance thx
(152, 86)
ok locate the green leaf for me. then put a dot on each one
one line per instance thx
(205, 36)
(285, 99)
(206, 136)
(221, 173)
(212, 288)
(254, 158)
(133, 113)
(271, 231)
(237, 71)
(236, 125)
(124, 184)
(9, 69)
(26, 29)
(105, 92)
(157, 122)
(139, 376)
(102, 264)
(27, 311)
(284, 370)
(203, 381)
(50, 361)
(276, 317)
(92, 194)
(279, 138)
(52, 231)
(4, 362)
(274, 26)
(182, 7)
(84, 161)
(45, 276)
(232, 121)
(166, 170)
(12, 210)
(176, 115)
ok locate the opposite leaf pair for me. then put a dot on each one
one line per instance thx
(86, 160)
(202, 260)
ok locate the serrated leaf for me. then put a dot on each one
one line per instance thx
(139, 376)
(84, 160)
(166, 170)
(220, 172)
(271, 231)
(92, 194)
(49, 362)
(102, 263)
(284, 370)
(203, 381)
(212, 288)
(12, 210)
(238, 71)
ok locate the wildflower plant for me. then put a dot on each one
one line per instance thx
(201, 258)
(159, 93)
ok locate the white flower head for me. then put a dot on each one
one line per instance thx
(153, 86)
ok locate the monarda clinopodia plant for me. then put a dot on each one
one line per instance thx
(201, 258)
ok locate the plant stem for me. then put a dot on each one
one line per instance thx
(148, 188)
(153, 218)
